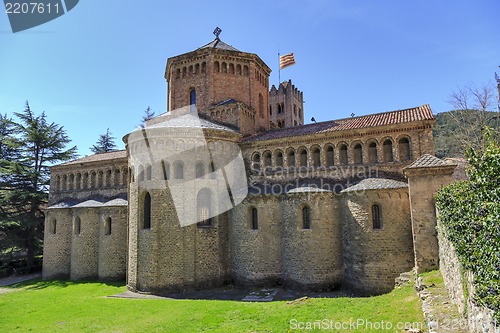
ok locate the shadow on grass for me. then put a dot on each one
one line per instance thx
(38, 284)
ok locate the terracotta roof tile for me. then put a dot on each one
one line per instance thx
(379, 119)
(98, 157)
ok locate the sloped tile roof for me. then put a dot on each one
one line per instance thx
(218, 44)
(374, 120)
(90, 203)
(375, 184)
(98, 157)
(189, 121)
(426, 161)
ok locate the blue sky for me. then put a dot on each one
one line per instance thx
(102, 64)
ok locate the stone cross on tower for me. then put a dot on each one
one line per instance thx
(217, 32)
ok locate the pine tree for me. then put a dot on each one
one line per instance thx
(148, 114)
(30, 147)
(105, 143)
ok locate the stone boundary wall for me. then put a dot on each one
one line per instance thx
(480, 319)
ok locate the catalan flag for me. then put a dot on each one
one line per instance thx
(287, 60)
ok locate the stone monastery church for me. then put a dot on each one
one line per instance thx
(341, 203)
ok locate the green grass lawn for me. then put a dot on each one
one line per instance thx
(63, 306)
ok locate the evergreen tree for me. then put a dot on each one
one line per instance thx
(29, 147)
(105, 143)
(148, 114)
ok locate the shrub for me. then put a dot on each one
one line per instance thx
(470, 213)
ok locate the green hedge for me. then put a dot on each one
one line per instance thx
(470, 212)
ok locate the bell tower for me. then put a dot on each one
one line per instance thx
(224, 83)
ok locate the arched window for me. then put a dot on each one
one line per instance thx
(178, 170)
(404, 149)
(178, 73)
(216, 67)
(279, 159)
(200, 169)
(196, 68)
(245, 70)
(71, 182)
(238, 69)
(149, 172)
(77, 225)
(93, 179)
(329, 156)
(116, 178)
(358, 154)
(108, 178)
(184, 71)
(372, 153)
(85, 181)
(224, 67)
(204, 67)
(254, 218)
(165, 166)
(53, 226)
(190, 69)
(267, 158)
(306, 217)
(295, 110)
(147, 212)
(316, 157)
(192, 100)
(261, 105)
(343, 154)
(256, 162)
(100, 179)
(141, 173)
(78, 181)
(107, 226)
(204, 208)
(279, 108)
(270, 110)
(387, 148)
(376, 217)
(291, 158)
(303, 158)
(231, 68)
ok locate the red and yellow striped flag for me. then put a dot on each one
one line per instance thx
(287, 60)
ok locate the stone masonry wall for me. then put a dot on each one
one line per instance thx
(85, 244)
(57, 246)
(479, 319)
(257, 253)
(312, 258)
(373, 258)
(113, 246)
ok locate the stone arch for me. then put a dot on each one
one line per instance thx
(71, 182)
(256, 161)
(58, 183)
(78, 181)
(278, 158)
(267, 158)
(372, 151)
(100, 179)
(148, 172)
(165, 167)
(107, 225)
(245, 70)
(178, 73)
(290, 156)
(146, 211)
(184, 71)
(404, 148)
(302, 153)
(116, 177)
(387, 152)
(140, 170)
(224, 67)
(204, 67)
(200, 169)
(305, 216)
(85, 180)
(124, 176)
(329, 155)
(343, 155)
(93, 179)
(231, 68)
(109, 174)
(316, 156)
(204, 207)
(190, 69)
(253, 218)
(178, 170)
(357, 153)
(216, 67)
(238, 69)
(196, 68)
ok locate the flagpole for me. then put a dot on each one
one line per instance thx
(279, 68)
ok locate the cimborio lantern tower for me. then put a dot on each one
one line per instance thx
(224, 83)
